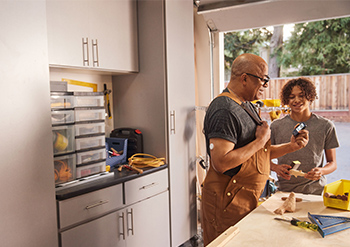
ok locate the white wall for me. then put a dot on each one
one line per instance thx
(27, 208)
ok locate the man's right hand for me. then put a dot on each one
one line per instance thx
(263, 132)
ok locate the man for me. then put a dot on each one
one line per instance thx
(238, 144)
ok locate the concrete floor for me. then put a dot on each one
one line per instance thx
(343, 153)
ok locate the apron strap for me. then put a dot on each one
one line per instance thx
(239, 102)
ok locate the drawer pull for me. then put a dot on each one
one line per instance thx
(96, 204)
(148, 186)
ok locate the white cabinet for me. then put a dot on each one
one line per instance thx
(145, 223)
(93, 34)
(100, 218)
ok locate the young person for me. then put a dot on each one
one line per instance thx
(298, 94)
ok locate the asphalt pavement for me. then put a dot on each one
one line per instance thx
(343, 153)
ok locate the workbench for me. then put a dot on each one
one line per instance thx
(259, 228)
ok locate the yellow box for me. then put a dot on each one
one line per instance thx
(337, 188)
(272, 102)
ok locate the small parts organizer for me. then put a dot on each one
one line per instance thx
(78, 134)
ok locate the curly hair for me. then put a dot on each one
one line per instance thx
(305, 85)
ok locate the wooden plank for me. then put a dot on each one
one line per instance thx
(225, 237)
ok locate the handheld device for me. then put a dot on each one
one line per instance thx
(298, 127)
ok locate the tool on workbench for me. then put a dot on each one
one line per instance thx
(303, 224)
(328, 224)
(108, 105)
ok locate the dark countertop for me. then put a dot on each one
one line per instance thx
(102, 181)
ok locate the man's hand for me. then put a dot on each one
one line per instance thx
(263, 132)
(299, 141)
(281, 170)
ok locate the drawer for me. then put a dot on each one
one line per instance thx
(89, 129)
(90, 142)
(87, 170)
(89, 114)
(89, 101)
(62, 117)
(62, 101)
(64, 168)
(63, 139)
(146, 186)
(84, 207)
(90, 156)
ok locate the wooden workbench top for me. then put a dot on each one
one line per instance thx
(260, 229)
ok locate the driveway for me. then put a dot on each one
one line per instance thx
(343, 154)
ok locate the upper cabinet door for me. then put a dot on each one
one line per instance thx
(93, 34)
(113, 26)
(67, 26)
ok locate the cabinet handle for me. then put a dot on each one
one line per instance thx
(95, 53)
(85, 51)
(148, 186)
(131, 220)
(96, 204)
(172, 122)
(122, 218)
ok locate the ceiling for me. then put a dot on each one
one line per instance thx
(233, 15)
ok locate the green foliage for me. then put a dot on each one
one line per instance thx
(249, 41)
(316, 48)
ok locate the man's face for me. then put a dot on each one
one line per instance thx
(256, 83)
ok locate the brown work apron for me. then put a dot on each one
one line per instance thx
(227, 200)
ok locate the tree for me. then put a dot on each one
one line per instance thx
(316, 48)
(249, 41)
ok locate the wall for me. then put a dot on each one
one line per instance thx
(28, 208)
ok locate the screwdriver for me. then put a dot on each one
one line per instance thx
(304, 224)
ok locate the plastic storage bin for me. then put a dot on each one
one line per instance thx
(61, 101)
(91, 155)
(89, 114)
(64, 168)
(339, 187)
(118, 144)
(63, 139)
(62, 117)
(89, 101)
(89, 129)
(83, 171)
(89, 142)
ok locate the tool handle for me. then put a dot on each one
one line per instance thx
(304, 224)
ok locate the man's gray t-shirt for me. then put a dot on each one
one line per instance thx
(322, 136)
(227, 120)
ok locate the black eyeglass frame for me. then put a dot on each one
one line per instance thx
(265, 80)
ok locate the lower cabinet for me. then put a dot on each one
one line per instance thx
(145, 223)
(132, 214)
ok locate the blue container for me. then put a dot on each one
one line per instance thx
(118, 144)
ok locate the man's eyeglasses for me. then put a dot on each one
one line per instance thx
(265, 80)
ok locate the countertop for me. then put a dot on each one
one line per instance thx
(260, 229)
(101, 181)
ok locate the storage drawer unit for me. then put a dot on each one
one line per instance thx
(146, 186)
(89, 205)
